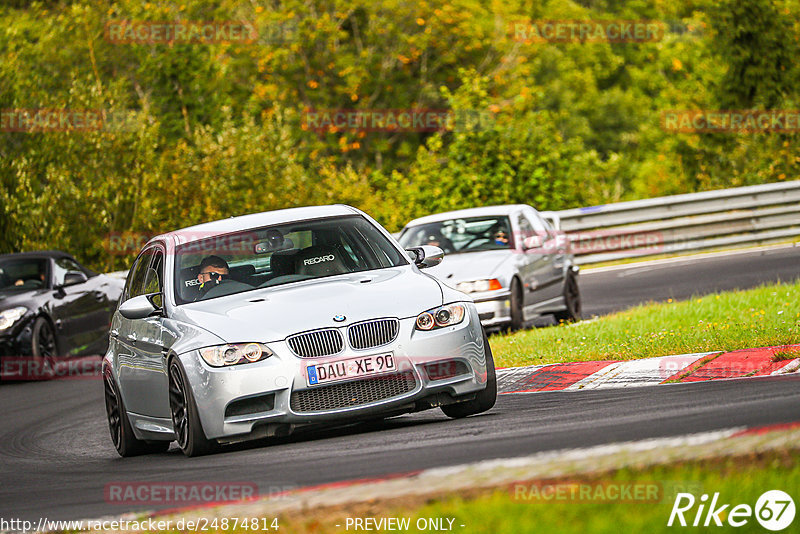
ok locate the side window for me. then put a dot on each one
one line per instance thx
(62, 266)
(549, 227)
(559, 238)
(154, 279)
(155, 274)
(138, 275)
(525, 228)
(538, 225)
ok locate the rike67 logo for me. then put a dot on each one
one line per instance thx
(774, 510)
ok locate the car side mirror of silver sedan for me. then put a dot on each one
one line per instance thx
(426, 256)
(138, 307)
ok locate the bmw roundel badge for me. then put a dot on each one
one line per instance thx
(339, 318)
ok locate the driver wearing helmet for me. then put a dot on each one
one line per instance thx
(501, 237)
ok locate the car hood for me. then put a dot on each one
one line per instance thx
(272, 314)
(469, 266)
(13, 299)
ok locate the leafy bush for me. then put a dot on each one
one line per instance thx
(205, 131)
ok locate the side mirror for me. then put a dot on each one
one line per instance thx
(73, 278)
(139, 307)
(426, 256)
(534, 241)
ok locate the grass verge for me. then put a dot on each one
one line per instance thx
(783, 355)
(764, 316)
(557, 506)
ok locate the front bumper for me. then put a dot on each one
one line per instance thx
(237, 400)
(17, 340)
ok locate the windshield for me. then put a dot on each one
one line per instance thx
(461, 235)
(22, 274)
(281, 254)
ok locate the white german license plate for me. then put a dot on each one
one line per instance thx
(352, 368)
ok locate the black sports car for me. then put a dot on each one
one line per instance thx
(51, 306)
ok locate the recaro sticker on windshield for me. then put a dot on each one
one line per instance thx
(319, 259)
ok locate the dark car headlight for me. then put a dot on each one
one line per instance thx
(447, 315)
(234, 354)
(10, 316)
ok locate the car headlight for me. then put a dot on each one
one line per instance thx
(477, 286)
(10, 316)
(223, 355)
(447, 315)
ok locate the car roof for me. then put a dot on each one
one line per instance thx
(255, 220)
(505, 209)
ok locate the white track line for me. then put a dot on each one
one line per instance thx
(790, 367)
(635, 373)
(509, 377)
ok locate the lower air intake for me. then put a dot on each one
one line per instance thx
(350, 394)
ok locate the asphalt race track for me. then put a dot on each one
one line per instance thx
(56, 456)
(614, 290)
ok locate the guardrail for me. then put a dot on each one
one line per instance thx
(742, 216)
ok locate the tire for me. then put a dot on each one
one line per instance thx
(572, 300)
(485, 398)
(517, 320)
(44, 346)
(185, 420)
(119, 425)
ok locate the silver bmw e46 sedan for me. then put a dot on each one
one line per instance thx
(252, 326)
(509, 258)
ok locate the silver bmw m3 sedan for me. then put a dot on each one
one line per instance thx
(252, 326)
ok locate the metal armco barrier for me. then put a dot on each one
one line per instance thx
(742, 216)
